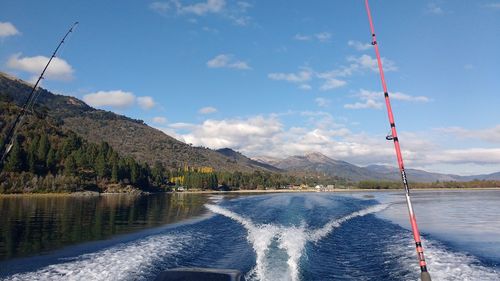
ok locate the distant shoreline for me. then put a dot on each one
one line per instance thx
(93, 194)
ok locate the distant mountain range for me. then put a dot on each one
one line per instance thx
(319, 164)
(146, 144)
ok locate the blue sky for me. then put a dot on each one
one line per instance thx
(279, 78)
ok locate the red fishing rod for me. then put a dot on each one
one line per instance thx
(424, 275)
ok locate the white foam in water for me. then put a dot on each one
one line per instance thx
(130, 261)
(291, 239)
(318, 234)
(443, 265)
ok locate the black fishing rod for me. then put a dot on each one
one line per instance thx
(29, 102)
(424, 275)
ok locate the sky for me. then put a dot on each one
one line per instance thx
(278, 78)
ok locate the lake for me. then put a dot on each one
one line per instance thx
(286, 236)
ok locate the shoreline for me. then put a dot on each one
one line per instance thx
(94, 194)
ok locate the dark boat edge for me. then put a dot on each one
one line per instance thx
(194, 274)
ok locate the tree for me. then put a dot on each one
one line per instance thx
(70, 166)
(157, 173)
(51, 161)
(32, 155)
(114, 171)
(101, 165)
(134, 172)
(15, 160)
(43, 147)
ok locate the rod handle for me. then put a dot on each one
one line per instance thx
(425, 276)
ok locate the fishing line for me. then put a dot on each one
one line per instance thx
(30, 100)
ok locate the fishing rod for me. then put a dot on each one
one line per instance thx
(424, 275)
(29, 102)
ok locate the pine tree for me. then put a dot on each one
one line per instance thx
(123, 171)
(51, 161)
(15, 160)
(114, 171)
(43, 147)
(32, 155)
(158, 173)
(101, 166)
(70, 166)
(134, 172)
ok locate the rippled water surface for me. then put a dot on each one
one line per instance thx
(299, 236)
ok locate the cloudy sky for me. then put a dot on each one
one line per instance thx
(279, 78)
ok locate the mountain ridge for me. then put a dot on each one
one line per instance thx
(318, 163)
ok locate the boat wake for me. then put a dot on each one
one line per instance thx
(129, 261)
(444, 265)
(270, 241)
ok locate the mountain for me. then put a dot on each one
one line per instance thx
(493, 176)
(320, 164)
(415, 175)
(127, 136)
(240, 158)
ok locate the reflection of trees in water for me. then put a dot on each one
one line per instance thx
(31, 225)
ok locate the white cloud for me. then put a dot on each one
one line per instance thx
(201, 8)
(468, 155)
(332, 83)
(302, 76)
(433, 8)
(322, 102)
(331, 79)
(405, 97)
(146, 102)
(115, 98)
(368, 62)
(268, 136)
(492, 5)
(374, 100)
(207, 110)
(368, 103)
(305, 87)
(7, 29)
(301, 37)
(358, 45)
(160, 7)
(118, 99)
(227, 61)
(244, 5)
(321, 37)
(488, 134)
(233, 133)
(160, 120)
(233, 11)
(59, 69)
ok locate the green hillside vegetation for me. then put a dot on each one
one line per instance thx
(46, 159)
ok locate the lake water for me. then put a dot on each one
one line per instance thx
(292, 236)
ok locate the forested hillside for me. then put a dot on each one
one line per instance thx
(127, 136)
(46, 159)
